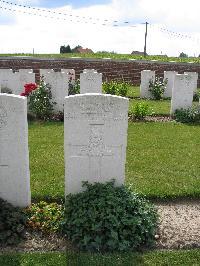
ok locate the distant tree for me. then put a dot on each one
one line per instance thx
(65, 49)
(183, 55)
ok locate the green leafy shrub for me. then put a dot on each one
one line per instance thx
(40, 101)
(44, 216)
(140, 111)
(196, 96)
(189, 115)
(109, 218)
(74, 88)
(12, 224)
(157, 87)
(116, 88)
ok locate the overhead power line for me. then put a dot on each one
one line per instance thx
(10, 6)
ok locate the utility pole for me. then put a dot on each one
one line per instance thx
(145, 40)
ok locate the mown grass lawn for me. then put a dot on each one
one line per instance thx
(152, 258)
(161, 107)
(162, 159)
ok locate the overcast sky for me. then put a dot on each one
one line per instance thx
(102, 25)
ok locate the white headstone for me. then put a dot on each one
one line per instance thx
(14, 156)
(194, 76)
(15, 81)
(95, 139)
(58, 82)
(182, 92)
(70, 73)
(90, 81)
(169, 76)
(146, 76)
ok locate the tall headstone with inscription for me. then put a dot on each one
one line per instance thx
(146, 77)
(182, 92)
(169, 76)
(194, 76)
(15, 81)
(59, 84)
(95, 134)
(14, 156)
(90, 81)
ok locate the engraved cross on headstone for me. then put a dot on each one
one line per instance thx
(96, 150)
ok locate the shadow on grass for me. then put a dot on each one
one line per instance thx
(49, 199)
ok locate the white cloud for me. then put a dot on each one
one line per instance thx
(47, 35)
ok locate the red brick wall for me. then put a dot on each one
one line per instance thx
(128, 70)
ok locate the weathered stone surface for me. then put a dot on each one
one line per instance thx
(15, 81)
(58, 82)
(70, 73)
(170, 76)
(194, 76)
(146, 76)
(95, 139)
(182, 92)
(14, 156)
(90, 81)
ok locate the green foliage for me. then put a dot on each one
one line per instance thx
(183, 55)
(109, 218)
(44, 216)
(116, 88)
(74, 88)
(12, 223)
(40, 104)
(157, 87)
(189, 115)
(65, 49)
(196, 96)
(140, 110)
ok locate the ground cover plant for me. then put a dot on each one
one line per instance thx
(108, 218)
(190, 115)
(46, 217)
(12, 223)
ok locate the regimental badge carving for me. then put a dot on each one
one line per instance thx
(3, 117)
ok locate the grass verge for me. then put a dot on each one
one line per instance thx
(153, 258)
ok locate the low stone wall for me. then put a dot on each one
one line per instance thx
(128, 70)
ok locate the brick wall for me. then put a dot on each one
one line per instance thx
(128, 70)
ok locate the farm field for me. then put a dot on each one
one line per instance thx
(112, 56)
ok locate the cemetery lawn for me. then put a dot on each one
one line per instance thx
(162, 159)
(159, 108)
(156, 258)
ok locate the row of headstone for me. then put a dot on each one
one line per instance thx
(90, 82)
(92, 154)
(14, 82)
(180, 87)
